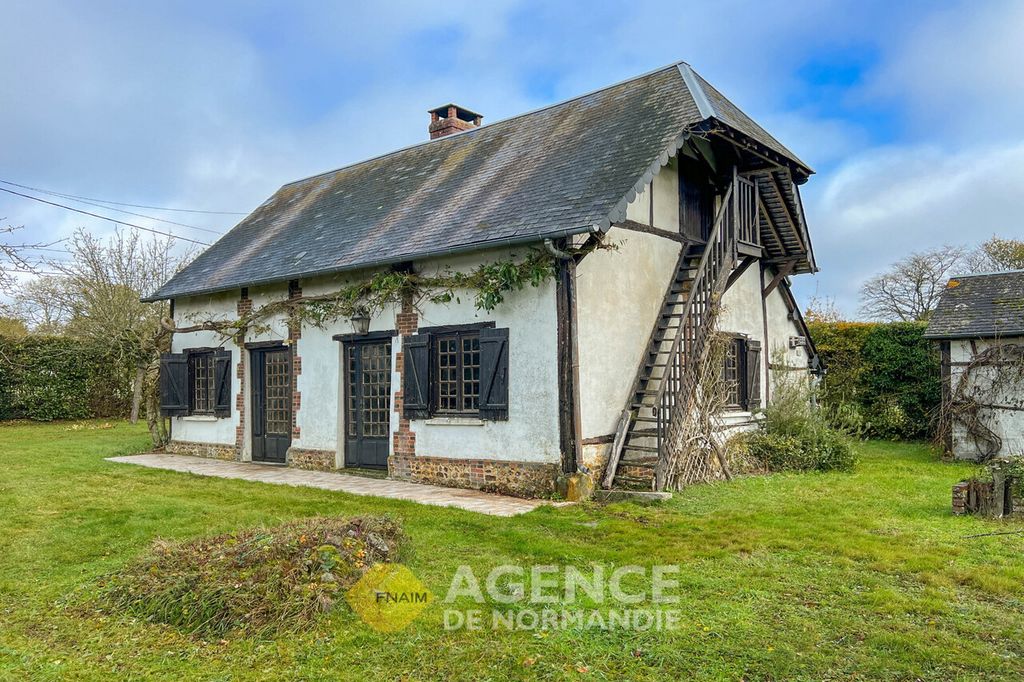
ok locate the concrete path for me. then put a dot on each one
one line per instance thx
(471, 500)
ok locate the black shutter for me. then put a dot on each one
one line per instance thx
(173, 384)
(752, 366)
(494, 374)
(416, 376)
(222, 383)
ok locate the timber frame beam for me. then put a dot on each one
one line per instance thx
(738, 272)
(785, 270)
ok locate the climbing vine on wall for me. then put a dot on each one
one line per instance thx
(991, 381)
(488, 283)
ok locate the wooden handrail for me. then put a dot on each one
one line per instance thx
(736, 220)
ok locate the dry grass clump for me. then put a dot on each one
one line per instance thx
(255, 580)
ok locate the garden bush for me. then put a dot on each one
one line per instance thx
(882, 379)
(795, 434)
(58, 377)
(254, 581)
(815, 450)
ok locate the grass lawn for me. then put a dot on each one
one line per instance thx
(838, 576)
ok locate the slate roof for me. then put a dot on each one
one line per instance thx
(565, 169)
(978, 306)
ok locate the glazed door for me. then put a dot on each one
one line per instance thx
(272, 404)
(368, 403)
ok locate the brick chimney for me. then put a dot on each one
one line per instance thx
(451, 118)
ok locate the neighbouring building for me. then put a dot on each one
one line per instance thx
(701, 203)
(979, 326)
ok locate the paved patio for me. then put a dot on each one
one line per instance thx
(471, 500)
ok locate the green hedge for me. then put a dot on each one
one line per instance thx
(882, 379)
(46, 378)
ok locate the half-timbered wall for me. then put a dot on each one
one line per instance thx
(993, 386)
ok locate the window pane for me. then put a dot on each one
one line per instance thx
(730, 373)
(352, 397)
(470, 372)
(203, 382)
(376, 360)
(448, 373)
(278, 392)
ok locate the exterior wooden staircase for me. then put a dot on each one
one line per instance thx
(667, 375)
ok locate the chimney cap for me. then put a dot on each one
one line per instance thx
(462, 113)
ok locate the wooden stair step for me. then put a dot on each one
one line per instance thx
(640, 448)
(625, 483)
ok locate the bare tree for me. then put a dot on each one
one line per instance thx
(909, 290)
(15, 259)
(996, 254)
(822, 309)
(41, 303)
(96, 296)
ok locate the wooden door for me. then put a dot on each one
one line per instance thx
(368, 403)
(272, 404)
(696, 203)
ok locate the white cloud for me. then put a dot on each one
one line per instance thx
(885, 203)
(960, 70)
(215, 108)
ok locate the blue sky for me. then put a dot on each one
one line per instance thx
(912, 114)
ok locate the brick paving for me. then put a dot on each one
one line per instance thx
(470, 500)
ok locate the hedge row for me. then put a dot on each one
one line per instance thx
(882, 379)
(46, 378)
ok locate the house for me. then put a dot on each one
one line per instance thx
(655, 201)
(979, 326)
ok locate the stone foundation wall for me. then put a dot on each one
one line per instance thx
(304, 458)
(594, 456)
(208, 450)
(520, 479)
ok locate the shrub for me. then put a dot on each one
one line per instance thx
(882, 380)
(846, 417)
(794, 434)
(901, 381)
(254, 581)
(820, 449)
(58, 377)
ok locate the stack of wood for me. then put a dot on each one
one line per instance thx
(992, 498)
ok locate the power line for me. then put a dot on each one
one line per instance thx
(26, 247)
(103, 217)
(121, 203)
(121, 210)
(139, 215)
(31, 272)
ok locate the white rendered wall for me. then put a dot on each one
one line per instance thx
(742, 313)
(665, 197)
(206, 429)
(531, 432)
(618, 296)
(321, 417)
(1007, 424)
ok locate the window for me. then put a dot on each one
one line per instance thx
(456, 371)
(202, 382)
(741, 374)
(196, 382)
(456, 359)
(732, 376)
